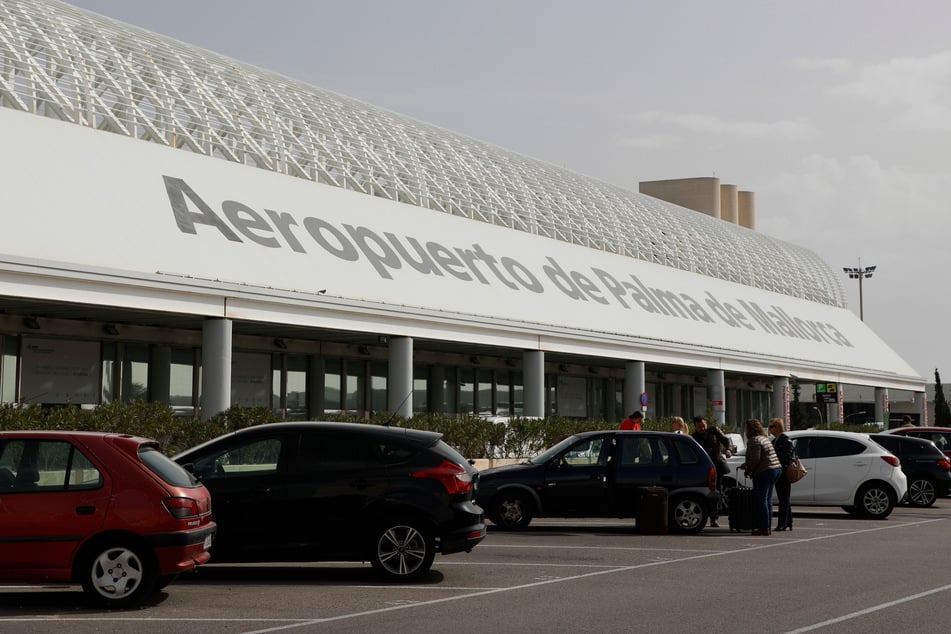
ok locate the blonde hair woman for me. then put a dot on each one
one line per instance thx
(678, 426)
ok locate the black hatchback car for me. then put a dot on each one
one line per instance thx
(320, 491)
(601, 474)
(927, 468)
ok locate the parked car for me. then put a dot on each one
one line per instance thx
(320, 491)
(845, 469)
(108, 511)
(928, 470)
(599, 474)
(940, 436)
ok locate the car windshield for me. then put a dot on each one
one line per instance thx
(553, 451)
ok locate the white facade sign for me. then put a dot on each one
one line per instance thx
(153, 209)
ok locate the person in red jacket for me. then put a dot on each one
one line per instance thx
(633, 421)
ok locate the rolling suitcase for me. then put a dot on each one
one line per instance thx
(740, 502)
(652, 511)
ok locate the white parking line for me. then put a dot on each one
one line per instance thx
(870, 610)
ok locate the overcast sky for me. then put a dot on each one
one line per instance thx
(836, 114)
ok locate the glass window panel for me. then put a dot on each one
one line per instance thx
(8, 370)
(420, 389)
(332, 385)
(135, 373)
(485, 403)
(355, 386)
(181, 379)
(503, 401)
(451, 390)
(378, 387)
(296, 398)
(466, 391)
(277, 371)
(518, 394)
(108, 370)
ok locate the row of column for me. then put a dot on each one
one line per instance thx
(216, 380)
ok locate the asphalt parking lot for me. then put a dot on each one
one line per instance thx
(833, 573)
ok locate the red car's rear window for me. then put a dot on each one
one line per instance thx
(162, 466)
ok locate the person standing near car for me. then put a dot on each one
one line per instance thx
(678, 426)
(762, 465)
(784, 451)
(633, 422)
(717, 446)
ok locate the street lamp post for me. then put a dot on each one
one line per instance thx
(819, 412)
(859, 274)
(844, 420)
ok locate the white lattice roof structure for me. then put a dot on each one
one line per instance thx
(62, 62)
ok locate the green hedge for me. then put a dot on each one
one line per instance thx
(472, 436)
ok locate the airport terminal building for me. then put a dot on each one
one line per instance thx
(185, 228)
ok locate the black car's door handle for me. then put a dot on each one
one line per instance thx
(85, 510)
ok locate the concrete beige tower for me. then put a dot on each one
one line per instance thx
(700, 194)
(728, 203)
(746, 202)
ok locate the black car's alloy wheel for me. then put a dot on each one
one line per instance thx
(511, 511)
(687, 515)
(921, 492)
(403, 549)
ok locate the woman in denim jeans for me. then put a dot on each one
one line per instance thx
(762, 465)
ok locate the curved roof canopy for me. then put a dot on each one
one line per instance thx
(62, 62)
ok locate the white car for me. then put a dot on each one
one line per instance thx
(845, 469)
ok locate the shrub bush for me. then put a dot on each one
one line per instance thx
(472, 436)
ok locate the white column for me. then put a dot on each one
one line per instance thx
(716, 396)
(215, 367)
(399, 381)
(921, 405)
(533, 382)
(881, 405)
(781, 399)
(634, 385)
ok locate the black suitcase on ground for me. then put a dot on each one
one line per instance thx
(740, 502)
(652, 511)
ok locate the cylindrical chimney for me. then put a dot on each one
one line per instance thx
(747, 209)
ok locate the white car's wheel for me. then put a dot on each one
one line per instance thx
(875, 501)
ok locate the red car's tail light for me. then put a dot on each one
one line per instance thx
(453, 477)
(182, 508)
(892, 460)
(712, 478)
(945, 464)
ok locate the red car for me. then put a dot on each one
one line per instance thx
(940, 436)
(108, 511)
